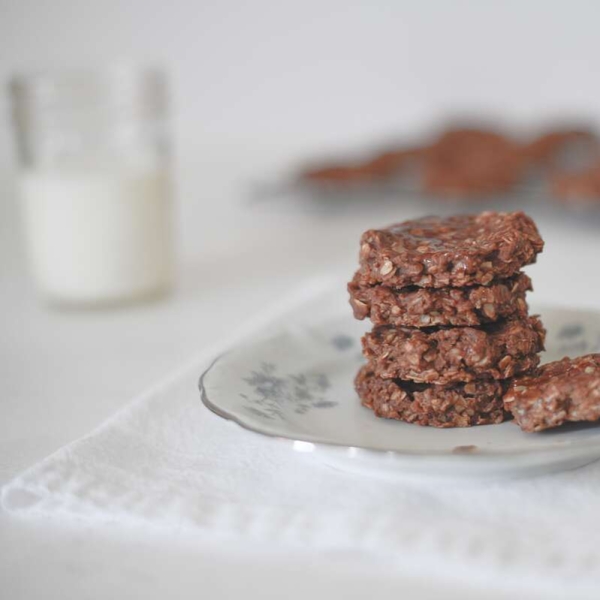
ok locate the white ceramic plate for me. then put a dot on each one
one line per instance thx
(298, 386)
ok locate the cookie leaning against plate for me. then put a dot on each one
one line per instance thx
(458, 354)
(452, 251)
(427, 307)
(461, 405)
(564, 390)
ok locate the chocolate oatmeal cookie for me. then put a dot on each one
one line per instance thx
(462, 405)
(565, 390)
(426, 307)
(577, 187)
(391, 162)
(342, 174)
(471, 162)
(452, 355)
(379, 168)
(546, 149)
(453, 251)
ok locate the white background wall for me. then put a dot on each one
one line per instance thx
(294, 76)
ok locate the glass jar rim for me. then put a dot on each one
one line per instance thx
(80, 73)
(116, 85)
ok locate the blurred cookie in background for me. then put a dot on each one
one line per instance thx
(471, 163)
(580, 187)
(336, 174)
(554, 148)
(392, 162)
(383, 166)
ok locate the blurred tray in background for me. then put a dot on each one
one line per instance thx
(464, 169)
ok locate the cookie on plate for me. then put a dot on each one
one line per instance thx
(453, 251)
(427, 307)
(462, 405)
(457, 354)
(561, 391)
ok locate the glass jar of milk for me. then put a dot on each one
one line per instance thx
(94, 183)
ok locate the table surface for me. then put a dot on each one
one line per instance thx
(63, 372)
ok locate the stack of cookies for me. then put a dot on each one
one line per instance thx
(451, 325)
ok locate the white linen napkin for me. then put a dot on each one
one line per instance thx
(165, 461)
